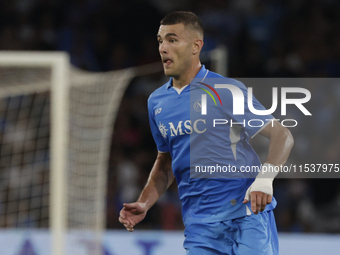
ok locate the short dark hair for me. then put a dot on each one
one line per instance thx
(184, 17)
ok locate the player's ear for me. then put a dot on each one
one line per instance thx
(198, 45)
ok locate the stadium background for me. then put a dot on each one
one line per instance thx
(264, 39)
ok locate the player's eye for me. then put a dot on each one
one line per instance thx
(160, 41)
(172, 40)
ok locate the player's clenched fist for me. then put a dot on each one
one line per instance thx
(131, 214)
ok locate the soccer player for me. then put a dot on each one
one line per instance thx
(192, 122)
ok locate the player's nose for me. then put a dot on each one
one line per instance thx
(163, 48)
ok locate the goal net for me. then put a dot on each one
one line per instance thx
(56, 124)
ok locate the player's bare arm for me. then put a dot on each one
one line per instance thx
(281, 143)
(160, 179)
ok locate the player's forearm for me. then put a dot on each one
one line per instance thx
(260, 191)
(160, 179)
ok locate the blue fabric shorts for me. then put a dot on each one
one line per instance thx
(249, 235)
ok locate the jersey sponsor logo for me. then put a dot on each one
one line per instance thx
(162, 129)
(183, 128)
(158, 111)
(186, 127)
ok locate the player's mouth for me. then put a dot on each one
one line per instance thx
(167, 62)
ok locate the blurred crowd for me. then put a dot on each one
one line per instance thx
(268, 38)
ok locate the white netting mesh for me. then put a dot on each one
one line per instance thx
(24, 167)
(94, 101)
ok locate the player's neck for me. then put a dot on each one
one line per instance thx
(186, 77)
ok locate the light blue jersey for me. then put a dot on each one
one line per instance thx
(206, 134)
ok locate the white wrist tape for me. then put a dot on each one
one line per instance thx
(264, 180)
(268, 171)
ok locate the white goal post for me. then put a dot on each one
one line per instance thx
(60, 65)
(43, 97)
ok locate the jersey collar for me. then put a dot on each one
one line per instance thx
(202, 73)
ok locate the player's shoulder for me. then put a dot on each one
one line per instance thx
(159, 92)
(215, 77)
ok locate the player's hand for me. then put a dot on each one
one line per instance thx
(131, 214)
(260, 193)
(258, 201)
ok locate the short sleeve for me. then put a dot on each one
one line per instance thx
(158, 138)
